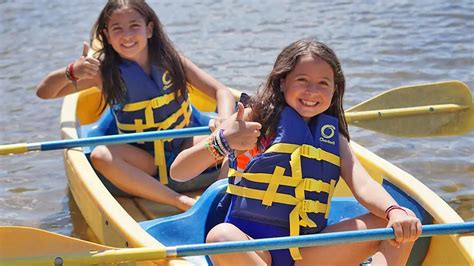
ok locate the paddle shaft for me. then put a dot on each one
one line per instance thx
(139, 254)
(104, 140)
(312, 240)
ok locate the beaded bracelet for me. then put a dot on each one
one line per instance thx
(391, 208)
(225, 143)
(229, 151)
(220, 145)
(217, 147)
(210, 147)
(70, 75)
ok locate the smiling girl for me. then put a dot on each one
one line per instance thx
(283, 186)
(143, 78)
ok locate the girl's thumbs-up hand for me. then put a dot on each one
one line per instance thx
(86, 67)
(241, 134)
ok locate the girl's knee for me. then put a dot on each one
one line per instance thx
(100, 155)
(221, 233)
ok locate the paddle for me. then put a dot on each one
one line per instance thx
(112, 139)
(434, 109)
(101, 255)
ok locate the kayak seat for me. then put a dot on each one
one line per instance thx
(191, 227)
(102, 127)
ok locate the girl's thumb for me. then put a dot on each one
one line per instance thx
(240, 112)
(85, 49)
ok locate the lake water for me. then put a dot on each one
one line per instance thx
(382, 45)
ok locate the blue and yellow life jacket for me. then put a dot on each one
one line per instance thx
(291, 184)
(151, 104)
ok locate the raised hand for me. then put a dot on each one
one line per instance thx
(405, 224)
(86, 67)
(240, 134)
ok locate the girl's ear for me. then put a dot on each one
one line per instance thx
(149, 30)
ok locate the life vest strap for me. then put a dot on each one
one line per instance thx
(184, 110)
(139, 127)
(154, 103)
(258, 194)
(273, 186)
(307, 151)
(332, 187)
(160, 161)
(308, 184)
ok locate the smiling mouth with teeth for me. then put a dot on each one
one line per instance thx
(309, 103)
(128, 45)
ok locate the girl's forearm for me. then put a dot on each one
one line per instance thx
(52, 85)
(225, 102)
(56, 85)
(191, 162)
(375, 198)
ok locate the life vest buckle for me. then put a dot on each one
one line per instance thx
(312, 185)
(312, 206)
(310, 152)
(155, 103)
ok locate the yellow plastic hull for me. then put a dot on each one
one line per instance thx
(113, 226)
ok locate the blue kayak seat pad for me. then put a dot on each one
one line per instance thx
(104, 126)
(191, 227)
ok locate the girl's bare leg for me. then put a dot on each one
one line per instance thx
(228, 232)
(131, 169)
(390, 255)
(355, 253)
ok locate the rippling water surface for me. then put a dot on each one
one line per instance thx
(382, 45)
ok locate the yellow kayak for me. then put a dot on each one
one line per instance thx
(126, 222)
(122, 222)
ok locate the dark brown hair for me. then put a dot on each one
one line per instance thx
(160, 51)
(269, 101)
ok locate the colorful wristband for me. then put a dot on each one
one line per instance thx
(229, 151)
(71, 72)
(209, 144)
(391, 208)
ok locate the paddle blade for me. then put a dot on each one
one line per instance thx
(31, 246)
(22, 242)
(435, 109)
